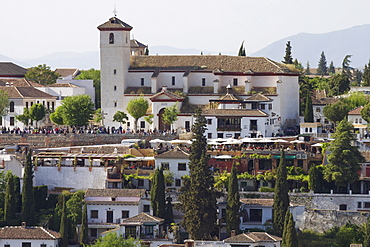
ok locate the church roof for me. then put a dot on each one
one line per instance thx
(8, 69)
(234, 112)
(258, 97)
(28, 232)
(141, 219)
(166, 95)
(253, 237)
(214, 63)
(114, 24)
(136, 44)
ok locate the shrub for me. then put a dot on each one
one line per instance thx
(266, 189)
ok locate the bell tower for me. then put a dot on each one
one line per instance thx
(114, 65)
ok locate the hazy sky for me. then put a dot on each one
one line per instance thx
(36, 28)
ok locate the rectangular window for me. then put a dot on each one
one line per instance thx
(235, 81)
(262, 106)
(359, 204)
(256, 215)
(42, 245)
(130, 231)
(26, 244)
(223, 213)
(26, 104)
(187, 125)
(209, 121)
(254, 106)
(115, 103)
(366, 204)
(115, 88)
(12, 121)
(270, 106)
(52, 105)
(94, 214)
(140, 182)
(114, 71)
(181, 167)
(125, 214)
(149, 230)
(48, 105)
(220, 135)
(253, 125)
(165, 166)
(93, 232)
(178, 182)
(142, 124)
(6, 245)
(142, 82)
(203, 82)
(146, 208)
(128, 124)
(173, 80)
(209, 136)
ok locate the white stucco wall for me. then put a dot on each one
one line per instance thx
(18, 242)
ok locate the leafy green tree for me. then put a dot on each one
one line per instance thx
(64, 224)
(157, 194)
(307, 71)
(308, 113)
(37, 112)
(322, 68)
(120, 117)
(25, 117)
(111, 239)
(331, 69)
(242, 50)
(336, 112)
(10, 206)
(41, 193)
(281, 196)
(74, 111)
(149, 118)
(343, 158)
(366, 233)
(4, 103)
(137, 108)
(357, 77)
(346, 68)
(356, 99)
(93, 74)
(288, 59)
(290, 238)
(170, 114)
(298, 65)
(338, 84)
(365, 113)
(28, 203)
(233, 202)
(74, 212)
(98, 116)
(84, 236)
(366, 75)
(198, 196)
(41, 74)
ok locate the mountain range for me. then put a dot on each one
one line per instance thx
(306, 47)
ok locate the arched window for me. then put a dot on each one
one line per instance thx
(11, 106)
(111, 38)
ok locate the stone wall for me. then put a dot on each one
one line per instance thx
(79, 178)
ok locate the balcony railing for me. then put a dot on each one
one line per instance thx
(229, 127)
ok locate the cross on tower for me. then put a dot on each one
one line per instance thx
(115, 11)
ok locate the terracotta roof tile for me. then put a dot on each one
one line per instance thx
(114, 23)
(66, 72)
(32, 232)
(19, 83)
(11, 69)
(142, 218)
(136, 44)
(175, 153)
(234, 112)
(167, 93)
(115, 192)
(356, 111)
(218, 63)
(62, 85)
(258, 97)
(257, 202)
(253, 237)
(25, 92)
(229, 97)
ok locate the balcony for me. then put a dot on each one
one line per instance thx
(229, 127)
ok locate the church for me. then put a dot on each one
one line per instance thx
(240, 96)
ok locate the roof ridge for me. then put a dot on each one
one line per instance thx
(271, 236)
(47, 232)
(247, 235)
(16, 88)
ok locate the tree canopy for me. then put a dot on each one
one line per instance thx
(322, 68)
(111, 239)
(336, 112)
(41, 74)
(74, 111)
(137, 108)
(4, 103)
(120, 117)
(366, 75)
(170, 114)
(343, 158)
(92, 74)
(37, 112)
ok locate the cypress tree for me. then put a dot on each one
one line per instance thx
(198, 196)
(331, 69)
(28, 203)
(288, 59)
(308, 112)
(366, 75)
(233, 203)
(17, 193)
(307, 71)
(290, 238)
(242, 50)
(157, 194)
(168, 218)
(322, 68)
(9, 205)
(84, 237)
(281, 196)
(64, 224)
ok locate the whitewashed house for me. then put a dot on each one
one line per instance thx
(253, 239)
(107, 208)
(28, 236)
(193, 81)
(359, 124)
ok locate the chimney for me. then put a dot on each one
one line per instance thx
(189, 243)
(24, 225)
(232, 233)
(164, 88)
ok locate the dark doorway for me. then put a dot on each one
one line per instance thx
(162, 125)
(109, 216)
